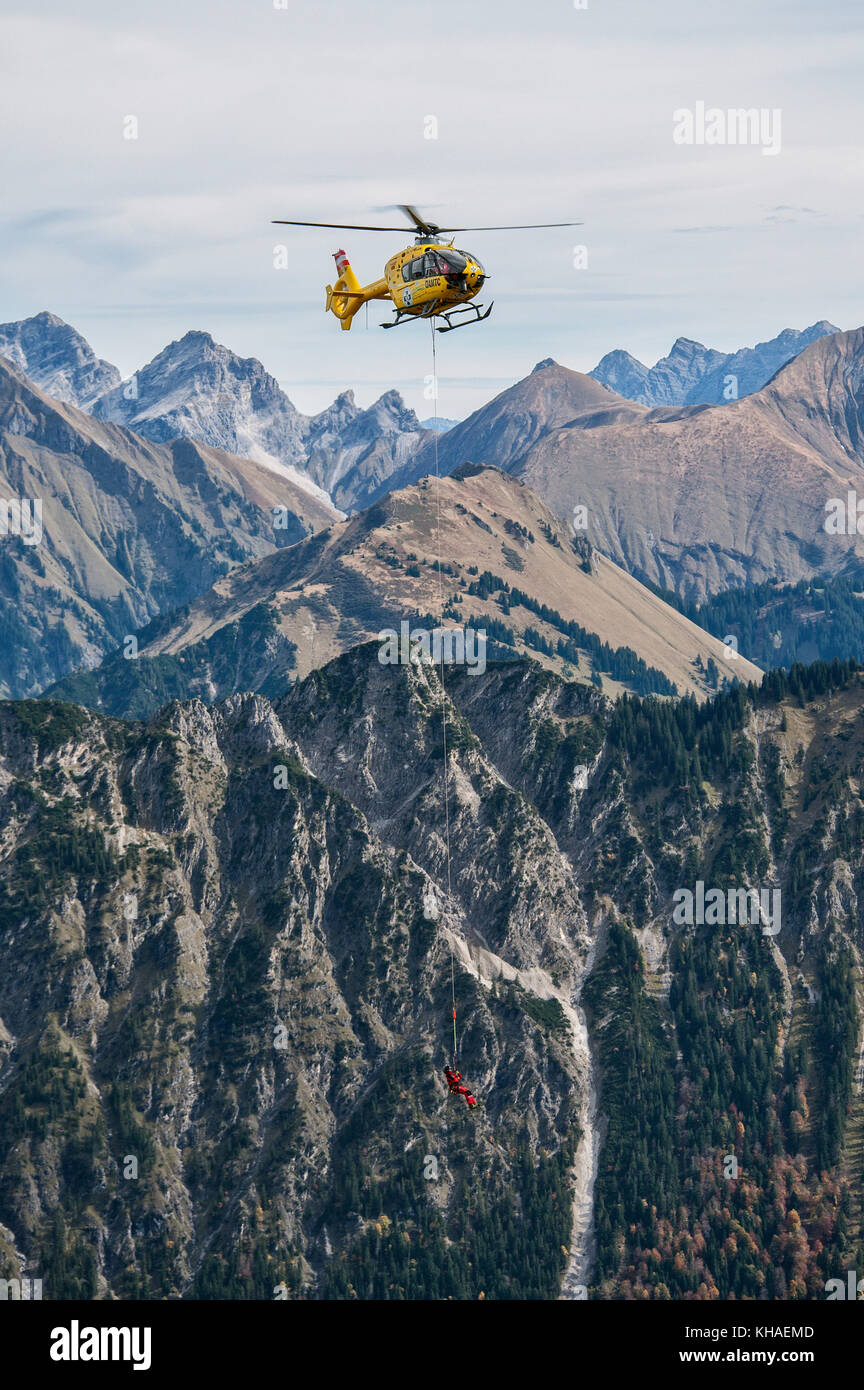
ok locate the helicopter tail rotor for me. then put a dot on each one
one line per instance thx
(347, 295)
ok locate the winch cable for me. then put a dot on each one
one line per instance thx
(443, 694)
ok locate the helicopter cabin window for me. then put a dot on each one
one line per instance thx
(414, 270)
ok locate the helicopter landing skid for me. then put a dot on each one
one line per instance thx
(466, 309)
(406, 316)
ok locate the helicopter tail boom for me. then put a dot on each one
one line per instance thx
(347, 295)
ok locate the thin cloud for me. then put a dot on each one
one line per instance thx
(786, 213)
(248, 113)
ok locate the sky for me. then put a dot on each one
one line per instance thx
(245, 110)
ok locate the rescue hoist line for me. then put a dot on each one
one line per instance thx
(443, 696)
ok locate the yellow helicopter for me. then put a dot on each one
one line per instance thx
(431, 279)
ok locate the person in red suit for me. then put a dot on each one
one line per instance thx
(454, 1080)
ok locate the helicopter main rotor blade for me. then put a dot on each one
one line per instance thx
(336, 226)
(518, 227)
(430, 229)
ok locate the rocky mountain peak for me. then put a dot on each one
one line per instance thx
(199, 389)
(57, 358)
(693, 374)
(687, 348)
(391, 412)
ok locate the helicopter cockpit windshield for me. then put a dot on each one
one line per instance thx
(450, 262)
(440, 260)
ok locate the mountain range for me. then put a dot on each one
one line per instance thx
(693, 374)
(195, 388)
(508, 567)
(250, 869)
(202, 390)
(689, 499)
(693, 498)
(128, 528)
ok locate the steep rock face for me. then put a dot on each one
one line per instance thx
(353, 454)
(57, 359)
(624, 374)
(388, 763)
(227, 975)
(673, 380)
(127, 528)
(692, 374)
(201, 390)
(225, 995)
